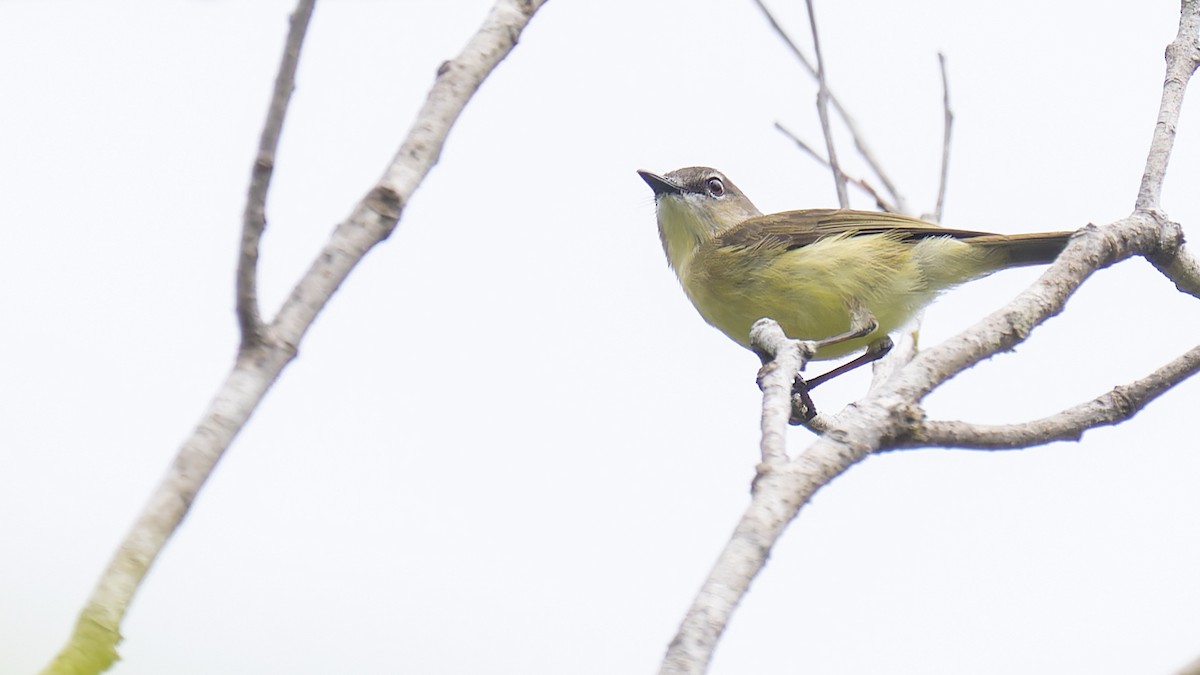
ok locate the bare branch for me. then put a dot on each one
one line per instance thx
(782, 358)
(1183, 269)
(1090, 249)
(882, 203)
(1183, 58)
(1116, 406)
(860, 142)
(885, 418)
(839, 178)
(787, 39)
(780, 491)
(808, 149)
(254, 218)
(947, 128)
(92, 647)
(889, 415)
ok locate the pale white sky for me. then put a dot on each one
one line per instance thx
(509, 444)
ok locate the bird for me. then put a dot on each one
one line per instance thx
(840, 277)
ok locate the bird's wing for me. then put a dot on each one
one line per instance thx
(796, 229)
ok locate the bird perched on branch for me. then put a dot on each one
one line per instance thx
(842, 278)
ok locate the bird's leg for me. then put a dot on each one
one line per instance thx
(875, 351)
(862, 324)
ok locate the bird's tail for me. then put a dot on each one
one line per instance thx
(1039, 248)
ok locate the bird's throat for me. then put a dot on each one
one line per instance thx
(681, 230)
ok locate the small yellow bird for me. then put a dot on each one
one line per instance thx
(816, 271)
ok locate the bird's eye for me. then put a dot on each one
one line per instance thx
(715, 187)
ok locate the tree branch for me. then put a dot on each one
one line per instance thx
(780, 491)
(1183, 269)
(92, 646)
(839, 178)
(254, 218)
(1183, 58)
(860, 143)
(882, 203)
(1116, 406)
(889, 415)
(783, 358)
(886, 418)
(948, 126)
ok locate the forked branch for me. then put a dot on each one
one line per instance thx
(1114, 407)
(860, 141)
(890, 416)
(880, 201)
(254, 218)
(92, 647)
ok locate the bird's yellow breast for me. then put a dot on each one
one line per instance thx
(809, 290)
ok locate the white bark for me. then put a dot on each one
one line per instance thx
(890, 416)
(266, 350)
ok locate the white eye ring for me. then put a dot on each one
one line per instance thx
(715, 187)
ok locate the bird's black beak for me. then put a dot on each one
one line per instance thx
(660, 185)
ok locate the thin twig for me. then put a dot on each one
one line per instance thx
(254, 218)
(1183, 58)
(787, 39)
(882, 203)
(860, 142)
(948, 126)
(92, 646)
(808, 149)
(1116, 406)
(839, 178)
